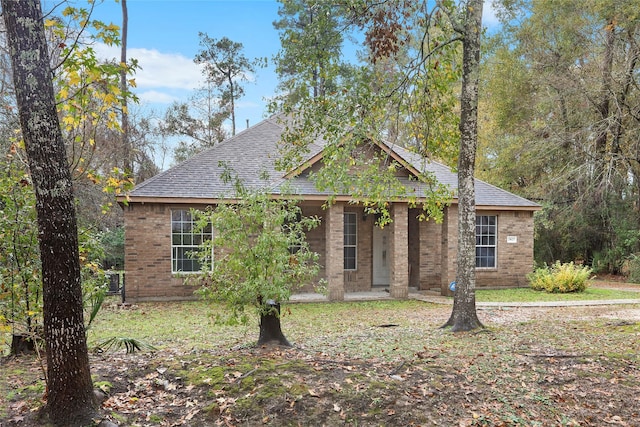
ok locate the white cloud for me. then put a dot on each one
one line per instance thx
(489, 18)
(157, 97)
(157, 69)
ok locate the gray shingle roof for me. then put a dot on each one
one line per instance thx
(251, 155)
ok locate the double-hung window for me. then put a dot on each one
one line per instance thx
(486, 241)
(350, 240)
(186, 241)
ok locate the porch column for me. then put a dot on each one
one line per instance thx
(334, 226)
(399, 287)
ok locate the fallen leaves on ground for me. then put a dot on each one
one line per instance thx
(568, 366)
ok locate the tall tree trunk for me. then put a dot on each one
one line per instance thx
(233, 105)
(70, 394)
(603, 106)
(464, 316)
(126, 142)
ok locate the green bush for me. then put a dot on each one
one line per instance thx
(560, 278)
(633, 265)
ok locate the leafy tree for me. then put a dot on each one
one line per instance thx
(417, 59)
(568, 119)
(70, 399)
(201, 120)
(260, 256)
(225, 67)
(20, 287)
(113, 243)
(311, 35)
(20, 268)
(90, 102)
(416, 41)
(374, 98)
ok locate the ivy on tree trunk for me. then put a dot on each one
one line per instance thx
(70, 399)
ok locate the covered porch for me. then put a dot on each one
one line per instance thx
(357, 256)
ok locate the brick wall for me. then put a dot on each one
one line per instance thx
(360, 279)
(449, 248)
(399, 287)
(429, 256)
(316, 240)
(334, 228)
(430, 248)
(514, 260)
(148, 254)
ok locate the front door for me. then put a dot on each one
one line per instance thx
(381, 261)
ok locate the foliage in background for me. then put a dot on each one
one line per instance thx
(200, 122)
(20, 284)
(310, 62)
(112, 242)
(404, 92)
(560, 278)
(565, 131)
(260, 253)
(88, 101)
(20, 271)
(225, 68)
(634, 268)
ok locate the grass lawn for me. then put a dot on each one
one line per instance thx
(529, 295)
(384, 363)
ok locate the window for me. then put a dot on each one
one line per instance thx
(486, 230)
(350, 241)
(289, 228)
(185, 242)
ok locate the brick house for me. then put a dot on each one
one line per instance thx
(356, 255)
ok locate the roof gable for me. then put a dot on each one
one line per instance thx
(251, 156)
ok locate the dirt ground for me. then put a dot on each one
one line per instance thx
(568, 366)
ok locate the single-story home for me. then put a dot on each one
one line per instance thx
(356, 255)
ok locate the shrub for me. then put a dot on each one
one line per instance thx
(560, 278)
(633, 265)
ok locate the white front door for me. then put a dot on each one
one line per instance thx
(381, 261)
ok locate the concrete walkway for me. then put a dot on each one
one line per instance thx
(488, 305)
(434, 298)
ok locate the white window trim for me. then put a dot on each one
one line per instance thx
(495, 246)
(355, 216)
(180, 272)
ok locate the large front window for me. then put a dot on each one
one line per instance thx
(350, 241)
(186, 241)
(486, 231)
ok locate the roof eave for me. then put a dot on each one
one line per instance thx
(123, 201)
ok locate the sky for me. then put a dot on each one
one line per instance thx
(163, 37)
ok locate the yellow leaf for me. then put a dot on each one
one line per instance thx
(74, 78)
(109, 98)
